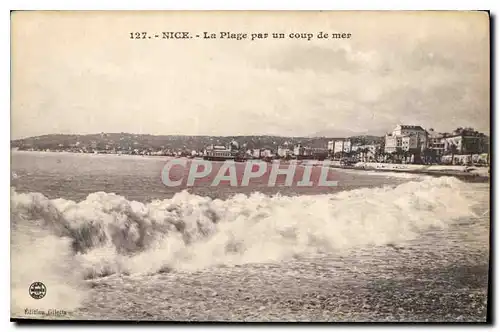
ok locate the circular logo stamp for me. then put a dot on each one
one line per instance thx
(37, 290)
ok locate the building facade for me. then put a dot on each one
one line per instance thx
(302, 151)
(330, 146)
(218, 152)
(436, 143)
(462, 144)
(262, 153)
(344, 146)
(284, 152)
(407, 138)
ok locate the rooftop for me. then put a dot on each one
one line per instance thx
(411, 127)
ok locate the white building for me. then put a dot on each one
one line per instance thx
(256, 153)
(465, 144)
(331, 146)
(436, 142)
(300, 150)
(460, 143)
(407, 138)
(342, 146)
(284, 151)
(266, 153)
(262, 153)
(217, 152)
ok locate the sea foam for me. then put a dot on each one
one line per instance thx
(62, 242)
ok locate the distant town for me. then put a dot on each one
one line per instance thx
(409, 144)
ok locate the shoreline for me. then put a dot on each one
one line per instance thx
(439, 170)
(462, 175)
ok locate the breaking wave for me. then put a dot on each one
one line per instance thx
(63, 242)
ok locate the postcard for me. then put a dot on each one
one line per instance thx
(250, 166)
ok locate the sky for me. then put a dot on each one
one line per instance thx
(80, 73)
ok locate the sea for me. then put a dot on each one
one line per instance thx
(110, 241)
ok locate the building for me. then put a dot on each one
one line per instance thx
(435, 143)
(465, 144)
(342, 146)
(330, 146)
(218, 152)
(256, 153)
(459, 142)
(319, 153)
(267, 153)
(262, 153)
(284, 151)
(367, 152)
(302, 151)
(407, 138)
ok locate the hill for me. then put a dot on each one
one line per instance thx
(126, 142)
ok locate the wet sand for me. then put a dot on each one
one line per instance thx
(387, 284)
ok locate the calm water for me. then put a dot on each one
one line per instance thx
(74, 176)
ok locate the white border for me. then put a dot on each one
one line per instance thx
(7, 5)
(250, 5)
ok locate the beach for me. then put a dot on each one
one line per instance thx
(467, 173)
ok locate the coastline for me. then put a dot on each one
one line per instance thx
(464, 173)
